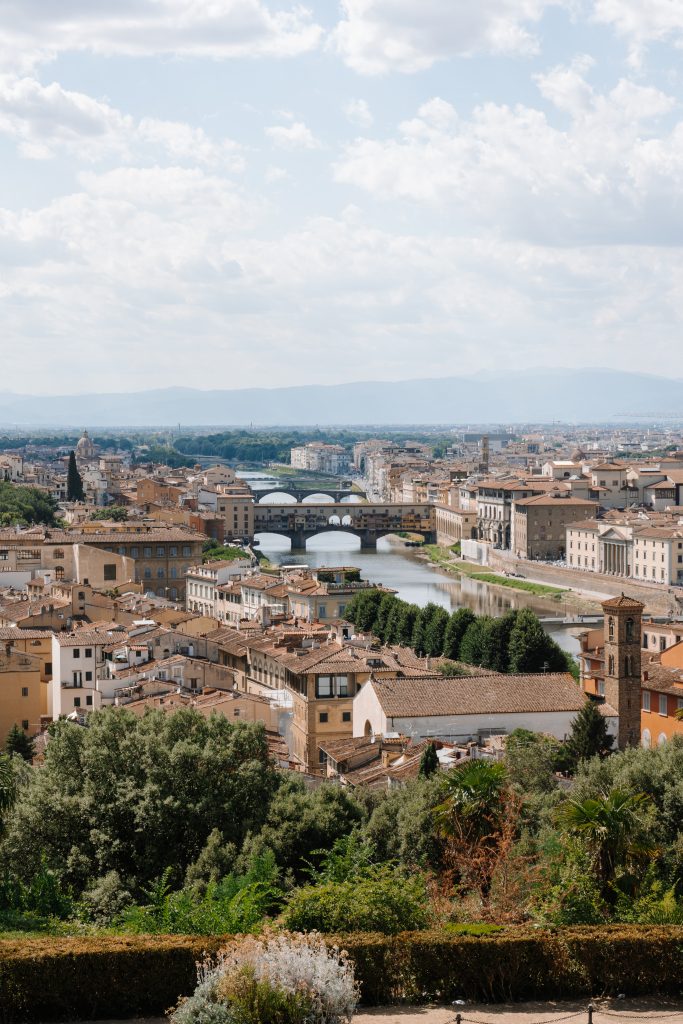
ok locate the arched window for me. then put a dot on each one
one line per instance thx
(661, 739)
(610, 665)
(368, 730)
(610, 628)
(59, 572)
(646, 739)
(628, 665)
(629, 629)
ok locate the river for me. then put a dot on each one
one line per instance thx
(405, 570)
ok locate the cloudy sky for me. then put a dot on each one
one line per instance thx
(226, 193)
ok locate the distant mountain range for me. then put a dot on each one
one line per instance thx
(536, 396)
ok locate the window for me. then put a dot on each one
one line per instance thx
(601, 687)
(160, 574)
(77, 702)
(77, 652)
(77, 678)
(610, 665)
(323, 686)
(48, 668)
(646, 700)
(110, 572)
(134, 552)
(173, 552)
(610, 623)
(346, 716)
(88, 677)
(148, 574)
(121, 550)
(322, 716)
(160, 551)
(88, 652)
(24, 691)
(322, 611)
(24, 724)
(147, 552)
(662, 704)
(81, 595)
(88, 700)
(629, 629)
(174, 573)
(187, 550)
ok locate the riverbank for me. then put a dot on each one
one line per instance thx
(571, 600)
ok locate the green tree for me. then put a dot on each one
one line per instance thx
(406, 624)
(115, 513)
(133, 795)
(362, 609)
(457, 626)
(386, 606)
(435, 630)
(429, 762)
(392, 632)
(496, 642)
(532, 760)
(531, 649)
(74, 483)
(7, 784)
(25, 506)
(299, 823)
(422, 623)
(589, 736)
(474, 647)
(18, 742)
(614, 829)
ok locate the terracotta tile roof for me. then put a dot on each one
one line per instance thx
(419, 697)
(623, 602)
(83, 638)
(15, 633)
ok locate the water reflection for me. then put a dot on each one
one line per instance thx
(414, 579)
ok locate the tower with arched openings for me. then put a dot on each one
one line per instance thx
(623, 632)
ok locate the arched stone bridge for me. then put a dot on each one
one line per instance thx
(369, 522)
(299, 493)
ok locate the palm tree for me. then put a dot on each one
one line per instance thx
(476, 820)
(613, 828)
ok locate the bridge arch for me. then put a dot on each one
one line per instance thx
(278, 493)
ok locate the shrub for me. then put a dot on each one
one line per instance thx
(382, 899)
(55, 979)
(279, 979)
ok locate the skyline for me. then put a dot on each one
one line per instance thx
(282, 195)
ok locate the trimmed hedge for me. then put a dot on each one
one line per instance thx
(116, 977)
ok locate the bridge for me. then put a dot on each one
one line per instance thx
(368, 521)
(299, 493)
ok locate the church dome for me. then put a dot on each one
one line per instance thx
(85, 449)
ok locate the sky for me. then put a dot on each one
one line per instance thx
(239, 193)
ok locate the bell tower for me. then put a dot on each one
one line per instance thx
(623, 632)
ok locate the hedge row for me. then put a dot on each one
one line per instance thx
(114, 977)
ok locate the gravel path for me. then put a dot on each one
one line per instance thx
(607, 1011)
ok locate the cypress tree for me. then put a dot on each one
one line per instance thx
(74, 484)
(429, 762)
(455, 631)
(589, 736)
(18, 742)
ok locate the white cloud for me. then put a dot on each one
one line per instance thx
(33, 30)
(612, 174)
(148, 267)
(376, 36)
(47, 119)
(358, 112)
(642, 21)
(294, 136)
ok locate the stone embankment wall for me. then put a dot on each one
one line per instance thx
(658, 600)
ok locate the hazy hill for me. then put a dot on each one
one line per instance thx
(536, 396)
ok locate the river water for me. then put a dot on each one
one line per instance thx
(403, 569)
